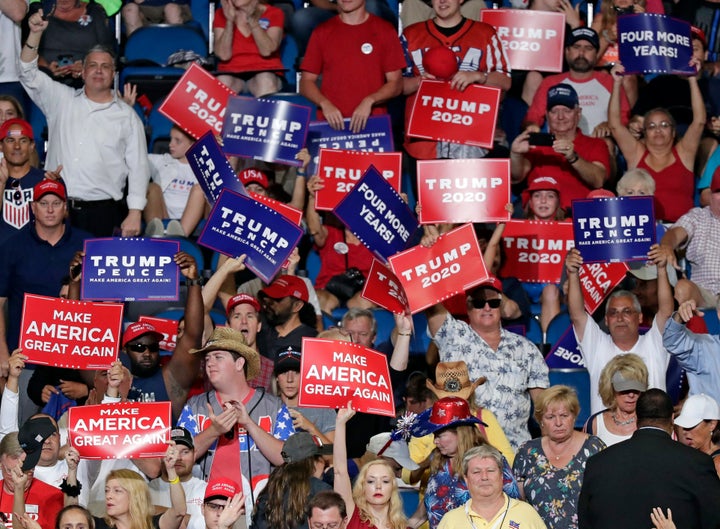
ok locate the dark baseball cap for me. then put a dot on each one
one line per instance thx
(31, 437)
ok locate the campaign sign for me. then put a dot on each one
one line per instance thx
(212, 168)
(240, 225)
(459, 191)
(340, 171)
(265, 129)
(565, 353)
(121, 269)
(335, 372)
(383, 288)
(450, 266)
(598, 280)
(377, 215)
(375, 137)
(613, 229)
(69, 333)
(290, 212)
(443, 114)
(197, 102)
(124, 430)
(535, 250)
(168, 328)
(651, 43)
(533, 40)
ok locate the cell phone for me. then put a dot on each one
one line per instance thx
(65, 60)
(48, 7)
(541, 139)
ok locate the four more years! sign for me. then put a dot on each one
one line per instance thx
(335, 372)
(123, 430)
(441, 113)
(66, 333)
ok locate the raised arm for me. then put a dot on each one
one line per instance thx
(575, 302)
(213, 287)
(631, 148)
(173, 517)
(315, 226)
(688, 145)
(341, 483)
(659, 256)
(672, 240)
(14, 9)
(402, 334)
(183, 367)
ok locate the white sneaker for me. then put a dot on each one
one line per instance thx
(155, 228)
(174, 229)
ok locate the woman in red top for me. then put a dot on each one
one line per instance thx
(669, 163)
(247, 42)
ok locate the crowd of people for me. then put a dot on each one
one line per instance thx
(466, 441)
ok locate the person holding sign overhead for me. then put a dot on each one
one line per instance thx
(359, 58)
(623, 316)
(480, 58)
(670, 163)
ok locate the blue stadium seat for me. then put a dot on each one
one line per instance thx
(192, 249)
(534, 331)
(159, 127)
(420, 341)
(37, 121)
(289, 56)
(146, 54)
(711, 320)
(557, 327)
(579, 379)
(385, 324)
(312, 265)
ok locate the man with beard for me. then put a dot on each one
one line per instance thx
(17, 176)
(592, 86)
(141, 348)
(283, 303)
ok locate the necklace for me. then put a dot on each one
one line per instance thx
(554, 454)
(622, 423)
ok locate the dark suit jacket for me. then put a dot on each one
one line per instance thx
(625, 481)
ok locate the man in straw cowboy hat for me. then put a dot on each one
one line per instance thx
(233, 424)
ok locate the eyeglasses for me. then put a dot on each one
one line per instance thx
(333, 525)
(142, 347)
(624, 313)
(479, 303)
(663, 125)
(55, 204)
(215, 507)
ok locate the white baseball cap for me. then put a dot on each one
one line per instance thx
(397, 450)
(698, 408)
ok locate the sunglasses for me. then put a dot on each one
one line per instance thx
(141, 347)
(480, 303)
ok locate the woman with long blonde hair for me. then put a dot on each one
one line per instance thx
(374, 501)
(128, 504)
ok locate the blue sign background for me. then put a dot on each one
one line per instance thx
(375, 137)
(612, 239)
(258, 139)
(357, 210)
(643, 52)
(565, 353)
(266, 236)
(212, 168)
(127, 283)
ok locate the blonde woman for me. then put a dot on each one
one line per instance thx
(374, 501)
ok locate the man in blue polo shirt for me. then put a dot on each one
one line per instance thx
(34, 260)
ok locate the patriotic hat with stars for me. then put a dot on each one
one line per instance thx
(448, 412)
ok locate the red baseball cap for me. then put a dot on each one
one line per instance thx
(25, 128)
(600, 193)
(543, 183)
(254, 176)
(491, 282)
(239, 299)
(285, 286)
(221, 488)
(48, 187)
(138, 329)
